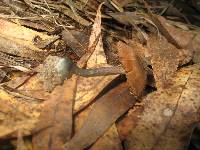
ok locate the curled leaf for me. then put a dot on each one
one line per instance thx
(135, 72)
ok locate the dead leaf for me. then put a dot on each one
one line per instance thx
(17, 40)
(80, 118)
(109, 141)
(196, 47)
(129, 122)
(161, 28)
(14, 118)
(55, 125)
(124, 2)
(165, 58)
(93, 5)
(34, 88)
(124, 17)
(135, 72)
(182, 37)
(68, 12)
(169, 115)
(103, 114)
(17, 113)
(89, 88)
(116, 5)
(186, 39)
(77, 46)
(139, 49)
(17, 82)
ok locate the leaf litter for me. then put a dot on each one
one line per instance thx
(99, 74)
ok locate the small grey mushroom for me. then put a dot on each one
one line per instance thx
(56, 69)
(64, 66)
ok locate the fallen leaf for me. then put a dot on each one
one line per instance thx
(89, 88)
(34, 88)
(165, 59)
(116, 5)
(17, 82)
(21, 112)
(68, 12)
(3, 74)
(18, 40)
(14, 118)
(196, 47)
(93, 5)
(56, 118)
(109, 141)
(187, 39)
(103, 114)
(161, 28)
(139, 48)
(182, 37)
(76, 44)
(169, 115)
(129, 122)
(80, 118)
(135, 72)
(124, 2)
(124, 17)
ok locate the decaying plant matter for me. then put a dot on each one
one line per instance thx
(99, 74)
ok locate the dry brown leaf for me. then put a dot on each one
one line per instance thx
(124, 17)
(17, 82)
(90, 3)
(68, 12)
(20, 113)
(129, 122)
(34, 88)
(124, 2)
(15, 117)
(136, 74)
(89, 88)
(18, 102)
(77, 45)
(21, 104)
(169, 115)
(109, 141)
(103, 114)
(140, 49)
(165, 58)
(18, 40)
(196, 47)
(185, 38)
(80, 118)
(55, 123)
